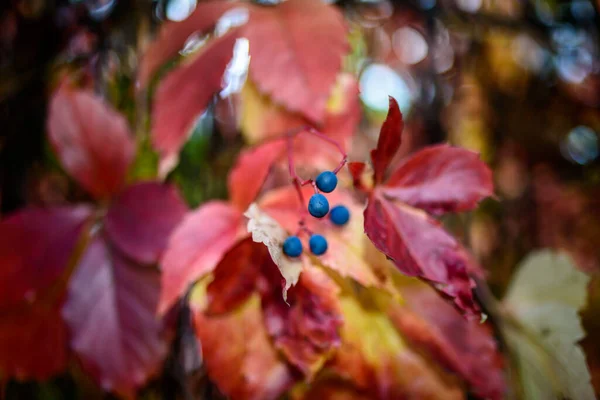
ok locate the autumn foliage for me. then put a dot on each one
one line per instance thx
(387, 313)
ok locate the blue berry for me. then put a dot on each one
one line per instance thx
(318, 244)
(292, 247)
(339, 215)
(326, 181)
(318, 206)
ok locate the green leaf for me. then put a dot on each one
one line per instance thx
(543, 302)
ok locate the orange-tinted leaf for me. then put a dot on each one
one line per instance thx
(441, 179)
(463, 346)
(92, 140)
(330, 389)
(388, 143)
(307, 330)
(419, 246)
(33, 342)
(297, 49)
(184, 94)
(346, 252)
(235, 277)
(110, 310)
(173, 36)
(375, 359)
(196, 246)
(35, 246)
(141, 219)
(262, 119)
(238, 355)
(250, 171)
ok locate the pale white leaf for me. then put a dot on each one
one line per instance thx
(266, 230)
(544, 297)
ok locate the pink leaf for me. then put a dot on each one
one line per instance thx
(184, 94)
(388, 143)
(297, 49)
(251, 170)
(141, 219)
(92, 140)
(464, 346)
(196, 246)
(420, 247)
(35, 246)
(110, 311)
(441, 179)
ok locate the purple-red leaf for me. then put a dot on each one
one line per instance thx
(441, 179)
(419, 246)
(184, 94)
(92, 140)
(196, 247)
(111, 313)
(251, 170)
(388, 143)
(35, 246)
(463, 346)
(141, 219)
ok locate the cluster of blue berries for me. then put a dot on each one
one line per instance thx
(318, 207)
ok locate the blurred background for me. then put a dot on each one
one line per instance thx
(516, 80)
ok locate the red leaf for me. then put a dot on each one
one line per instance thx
(238, 355)
(356, 170)
(110, 311)
(141, 219)
(465, 347)
(420, 247)
(184, 94)
(251, 170)
(388, 143)
(297, 49)
(307, 330)
(173, 35)
(196, 246)
(33, 342)
(304, 40)
(35, 246)
(92, 140)
(441, 179)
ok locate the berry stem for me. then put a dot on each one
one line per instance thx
(296, 180)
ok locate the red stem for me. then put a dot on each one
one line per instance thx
(296, 180)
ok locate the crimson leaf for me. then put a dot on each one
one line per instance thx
(441, 179)
(92, 140)
(110, 310)
(141, 218)
(419, 246)
(388, 143)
